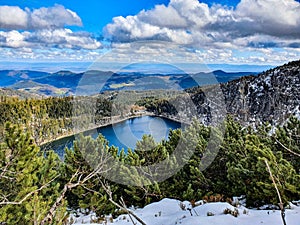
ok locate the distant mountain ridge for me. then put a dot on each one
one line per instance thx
(218, 76)
(65, 83)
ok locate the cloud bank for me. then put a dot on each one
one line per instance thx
(57, 38)
(253, 32)
(252, 23)
(42, 28)
(14, 18)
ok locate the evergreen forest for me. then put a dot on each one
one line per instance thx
(38, 187)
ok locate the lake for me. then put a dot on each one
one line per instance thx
(124, 134)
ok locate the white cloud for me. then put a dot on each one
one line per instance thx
(166, 52)
(43, 28)
(276, 18)
(273, 17)
(196, 24)
(14, 18)
(50, 54)
(53, 17)
(158, 51)
(12, 39)
(63, 38)
(163, 16)
(254, 32)
(58, 38)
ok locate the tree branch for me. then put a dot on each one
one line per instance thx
(123, 207)
(278, 193)
(289, 150)
(28, 195)
(81, 180)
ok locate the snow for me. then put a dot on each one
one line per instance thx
(173, 212)
(216, 208)
(268, 80)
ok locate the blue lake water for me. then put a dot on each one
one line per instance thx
(125, 134)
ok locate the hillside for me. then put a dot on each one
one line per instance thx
(8, 92)
(269, 96)
(272, 96)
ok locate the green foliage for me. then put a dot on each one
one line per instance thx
(248, 174)
(85, 157)
(28, 180)
(47, 119)
(287, 141)
(238, 168)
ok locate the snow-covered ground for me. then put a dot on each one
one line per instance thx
(173, 212)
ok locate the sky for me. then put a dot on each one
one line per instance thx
(235, 32)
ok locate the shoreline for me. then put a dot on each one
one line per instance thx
(186, 123)
(111, 122)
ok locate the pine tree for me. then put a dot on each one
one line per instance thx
(84, 179)
(287, 140)
(249, 175)
(230, 153)
(28, 180)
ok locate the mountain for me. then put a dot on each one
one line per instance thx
(10, 77)
(67, 83)
(269, 96)
(61, 79)
(272, 96)
(202, 79)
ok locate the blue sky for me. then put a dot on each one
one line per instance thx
(96, 14)
(255, 32)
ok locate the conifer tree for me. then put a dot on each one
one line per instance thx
(230, 152)
(249, 175)
(28, 180)
(84, 166)
(287, 140)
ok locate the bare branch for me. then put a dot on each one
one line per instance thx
(81, 180)
(123, 207)
(56, 204)
(28, 195)
(5, 169)
(289, 150)
(278, 193)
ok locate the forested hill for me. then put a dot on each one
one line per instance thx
(8, 92)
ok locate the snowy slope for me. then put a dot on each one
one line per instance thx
(272, 96)
(170, 212)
